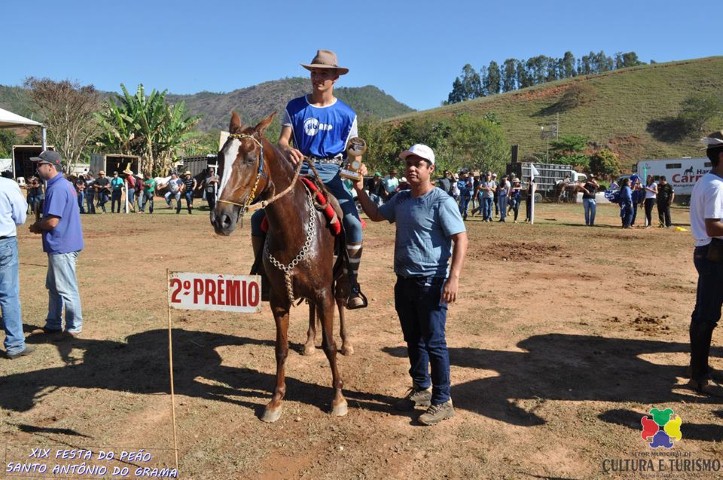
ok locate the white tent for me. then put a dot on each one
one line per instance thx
(10, 119)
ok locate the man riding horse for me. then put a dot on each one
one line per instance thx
(320, 126)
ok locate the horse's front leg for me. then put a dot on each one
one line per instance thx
(326, 310)
(281, 317)
(310, 345)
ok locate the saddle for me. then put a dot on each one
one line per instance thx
(324, 202)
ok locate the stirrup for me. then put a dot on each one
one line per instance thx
(356, 300)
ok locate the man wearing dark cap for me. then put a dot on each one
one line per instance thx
(320, 126)
(62, 241)
(706, 223)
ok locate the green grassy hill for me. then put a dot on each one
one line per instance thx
(616, 109)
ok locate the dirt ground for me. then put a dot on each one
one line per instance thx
(564, 336)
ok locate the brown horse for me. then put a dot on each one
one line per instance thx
(567, 192)
(299, 250)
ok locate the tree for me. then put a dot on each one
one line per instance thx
(625, 60)
(146, 126)
(8, 138)
(493, 78)
(697, 110)
(569, 150)
(457, 93)
(509, 75)
(567, 67)
(68, 111)
(605, 164)
(468, 87)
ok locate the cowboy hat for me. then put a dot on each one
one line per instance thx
(187, 172)
(128, 172)
(325, 59)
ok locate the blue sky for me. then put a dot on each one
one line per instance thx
(412, 50)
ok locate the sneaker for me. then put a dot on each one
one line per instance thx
(356, 298)
(415, 397)
(72, 334)
(23, 353)
(437, 413)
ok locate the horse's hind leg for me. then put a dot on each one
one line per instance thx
(273, 408)
(346, 347)
(338, 404)
(310, 345)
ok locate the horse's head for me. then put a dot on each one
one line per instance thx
(243, 171)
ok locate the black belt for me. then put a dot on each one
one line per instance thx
(426, 278)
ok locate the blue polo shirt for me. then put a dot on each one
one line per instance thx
(425, 226)
(321, 132)
(61, 200)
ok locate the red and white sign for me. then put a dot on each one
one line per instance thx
(214, 291)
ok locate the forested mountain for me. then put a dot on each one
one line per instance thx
(252, 103)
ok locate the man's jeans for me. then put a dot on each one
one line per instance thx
(463, 205)
(10, 296)
(62, 285)
(707, 311)
(590, 207)
(423, 316)
(502, 200)
(115, 199)
(487, 208)
(144, 199)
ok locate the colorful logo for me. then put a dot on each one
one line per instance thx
(662, 429)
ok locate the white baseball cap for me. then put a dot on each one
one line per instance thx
(419, 150)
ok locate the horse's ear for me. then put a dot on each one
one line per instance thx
(235, 124)
(263, 125)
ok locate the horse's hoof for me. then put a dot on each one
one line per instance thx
(309, 349)
(340, 410)
(270, 416)
(347, 350)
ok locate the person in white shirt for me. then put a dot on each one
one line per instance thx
(13, 211)
(706, 222)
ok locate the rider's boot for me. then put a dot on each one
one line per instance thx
(356, 298)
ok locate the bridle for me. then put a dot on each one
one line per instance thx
(259, 174)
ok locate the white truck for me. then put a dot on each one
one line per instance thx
(548, 175)
(681, 173)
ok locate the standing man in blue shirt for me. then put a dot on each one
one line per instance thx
(320, 126)
(13, 211)
(62, 241)
(428, 224)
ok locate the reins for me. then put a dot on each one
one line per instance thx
(260, 173)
